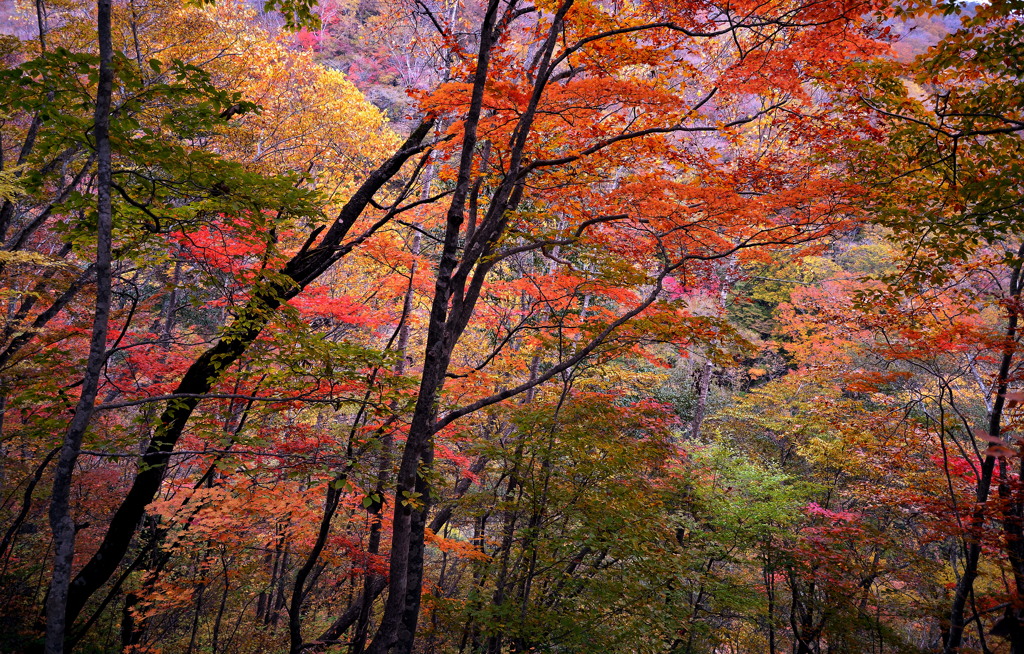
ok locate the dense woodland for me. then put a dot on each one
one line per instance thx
(493, 326)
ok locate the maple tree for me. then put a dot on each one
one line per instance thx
(299, 379)
(959, 138)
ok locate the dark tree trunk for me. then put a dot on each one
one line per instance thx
(965, 585)
(62, 524)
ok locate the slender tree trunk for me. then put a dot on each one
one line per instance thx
(334, 494)
(965, 585)
(412, 498)
(1013, 523)
(373, 580)
(379, 583)
(26, 505)
(299, 589)
(1014, 547)
(130, 632)
(703, 385)
(768, 571)
(62, 524)
(217, 621)
(513, 494)
(194, 632)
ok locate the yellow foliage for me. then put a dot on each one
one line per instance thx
(27, 258)
(312, 121)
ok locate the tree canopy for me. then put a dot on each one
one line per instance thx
(661, 326)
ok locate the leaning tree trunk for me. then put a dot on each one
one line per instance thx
(208, 368)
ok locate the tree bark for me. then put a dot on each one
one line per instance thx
(702, 387)
(965, 585)
(412, 497)
(62, 524)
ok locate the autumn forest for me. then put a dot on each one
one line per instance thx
(511, 326)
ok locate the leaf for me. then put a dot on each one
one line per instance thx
(983, 434)
(1000, 451)
(1014, 399)
(30, 259)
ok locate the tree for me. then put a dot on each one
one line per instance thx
(582, 154)
(168, 182)
(951, 179)
(596, 79)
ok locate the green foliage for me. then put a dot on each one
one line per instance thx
(949, 172)
(592, 561)
(163, 182)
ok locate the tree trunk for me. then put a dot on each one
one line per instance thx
(62, 524)
(703, 384)
(965, 585)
